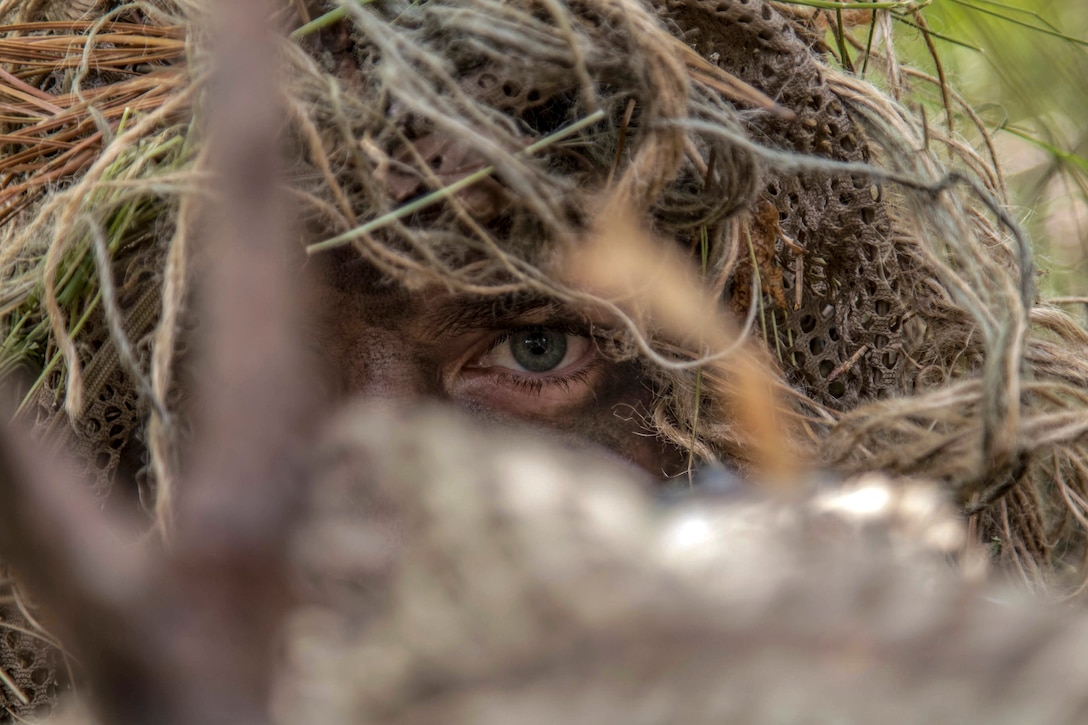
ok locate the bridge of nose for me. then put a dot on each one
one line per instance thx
(369, 339)
(392, 365)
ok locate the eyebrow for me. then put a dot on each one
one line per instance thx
(473, 312)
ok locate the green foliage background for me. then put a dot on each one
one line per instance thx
(1023, 66)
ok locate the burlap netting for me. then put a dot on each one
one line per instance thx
(846, 317)
(834, 300)
(852, 295)
(104, 444)
(106, 441)
(28, 660)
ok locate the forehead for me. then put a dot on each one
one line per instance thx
(354, 288)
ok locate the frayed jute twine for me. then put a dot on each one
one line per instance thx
(893, 294)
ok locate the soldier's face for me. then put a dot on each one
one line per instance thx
(513, 359)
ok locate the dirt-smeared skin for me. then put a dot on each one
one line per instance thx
(381, 341)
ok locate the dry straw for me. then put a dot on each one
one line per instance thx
(889, 316)
(102, 172)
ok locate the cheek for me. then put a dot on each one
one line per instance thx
(619, 418)
(519, 396)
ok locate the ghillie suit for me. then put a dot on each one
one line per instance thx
(894, 297)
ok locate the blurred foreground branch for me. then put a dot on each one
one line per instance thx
(187, 634)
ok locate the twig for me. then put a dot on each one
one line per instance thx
(440, 194)
(621, 142)
(943, 80)
(869, 43)
(321, 22)
(940, 36)
(840, 32)
(798, 280)
(846, 366)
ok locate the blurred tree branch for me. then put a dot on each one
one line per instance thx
(187, 633)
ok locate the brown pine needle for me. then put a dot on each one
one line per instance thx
(52, 137)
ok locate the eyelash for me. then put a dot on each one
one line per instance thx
(534, 386)
(564, 327)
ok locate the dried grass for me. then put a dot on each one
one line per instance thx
(994, 403)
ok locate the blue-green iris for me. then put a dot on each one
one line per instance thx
(538, 350)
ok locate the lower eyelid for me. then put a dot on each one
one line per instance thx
(535, 385)
(526, 394)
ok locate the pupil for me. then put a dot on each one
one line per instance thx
(539, 351)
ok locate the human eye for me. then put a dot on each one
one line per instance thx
(533, 370)
(536, 350)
